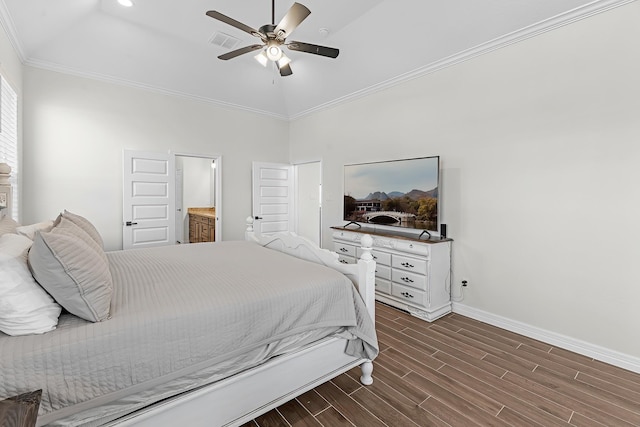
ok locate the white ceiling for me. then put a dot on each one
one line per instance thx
(165, 44)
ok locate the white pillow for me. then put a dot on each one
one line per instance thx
(25, 308)
(14, 245)
(30, 230)
(7, 225)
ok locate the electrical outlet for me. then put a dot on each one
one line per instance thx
(465, 283)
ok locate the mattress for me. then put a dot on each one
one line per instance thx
(182, 317)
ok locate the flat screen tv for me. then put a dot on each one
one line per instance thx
(397, 193)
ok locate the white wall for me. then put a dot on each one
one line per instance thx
(75, 130)
(540, 147)
(197, 182)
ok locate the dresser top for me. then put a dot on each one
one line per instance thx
(399, 234)
(206, 212)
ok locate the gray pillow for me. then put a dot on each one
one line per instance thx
(83, 223)
(69, 228)
(73, 273)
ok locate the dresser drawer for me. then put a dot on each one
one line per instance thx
(408, 294)
(346, 259)
(198, 218)
(409, 279)
(343, 249)
(383, 272)
(204, 233)
(409, 264)
(383, 258)
(383, 286)
(413, 248)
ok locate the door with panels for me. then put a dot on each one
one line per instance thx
(272, 197)
(148, 208)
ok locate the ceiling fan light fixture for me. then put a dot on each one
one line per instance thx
(274, 52)
(284, 60)
(262, 58)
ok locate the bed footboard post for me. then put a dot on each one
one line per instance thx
(367, 369)
(249, 232)
(367, 276)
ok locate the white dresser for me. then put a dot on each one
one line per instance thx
(411, 274)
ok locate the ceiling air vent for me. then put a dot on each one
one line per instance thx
(224, 40)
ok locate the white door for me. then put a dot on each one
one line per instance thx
(272, 197)
(148, 208)
(308, 215)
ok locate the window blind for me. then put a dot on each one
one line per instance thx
(9, 137)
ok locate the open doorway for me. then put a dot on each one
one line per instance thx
(288, 197)
(198, 193)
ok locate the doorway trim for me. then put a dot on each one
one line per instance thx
(298, 200)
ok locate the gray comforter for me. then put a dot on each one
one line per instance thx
(177, 312)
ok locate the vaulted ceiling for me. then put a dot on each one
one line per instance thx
(172, 46)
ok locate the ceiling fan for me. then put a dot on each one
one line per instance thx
(274, 37)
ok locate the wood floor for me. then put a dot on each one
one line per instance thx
(460, 372)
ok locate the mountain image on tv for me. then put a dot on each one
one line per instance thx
(401, 193)
(413, 194)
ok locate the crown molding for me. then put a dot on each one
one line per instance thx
(49, 66)
(10, 29)
(525, 33)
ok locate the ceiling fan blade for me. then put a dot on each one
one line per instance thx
(314, 48)
(241, 51)
(239, 25)
(285, 70)
(296, 14)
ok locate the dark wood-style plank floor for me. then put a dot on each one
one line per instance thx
(460, 372)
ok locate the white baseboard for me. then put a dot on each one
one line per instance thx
(603, 354)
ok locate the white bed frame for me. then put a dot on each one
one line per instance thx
(242, 397)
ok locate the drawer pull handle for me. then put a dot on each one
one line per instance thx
(343, 261)
(406, 280)
(406, 264)
(406, 295)
(375, 257)
(344, 250)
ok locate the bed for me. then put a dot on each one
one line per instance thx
(210, 334)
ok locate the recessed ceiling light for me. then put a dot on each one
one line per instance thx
(126, 3)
